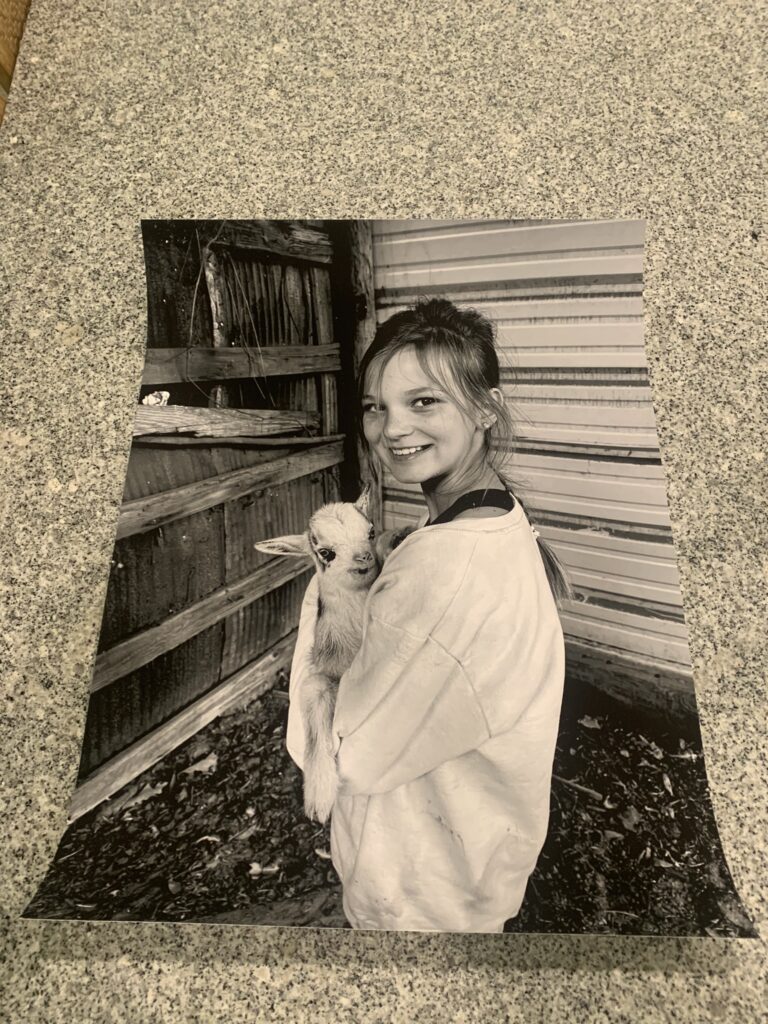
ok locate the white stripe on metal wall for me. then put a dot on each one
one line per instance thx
(566, 300)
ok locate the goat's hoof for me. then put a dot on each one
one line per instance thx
(318, 814)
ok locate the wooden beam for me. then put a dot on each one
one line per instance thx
(177, 365)
(201, 422)
(144, 514)
(219, 397)
(656, 687)
(148, 644)
(364, 304)
(288, 239)
(161, 440)
(250, 682)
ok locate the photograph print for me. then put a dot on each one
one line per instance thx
(393, 636)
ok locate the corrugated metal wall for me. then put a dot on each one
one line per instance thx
(566, 299)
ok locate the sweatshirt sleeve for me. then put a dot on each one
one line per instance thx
(406, 705)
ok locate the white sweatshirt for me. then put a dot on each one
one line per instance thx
(446, 724)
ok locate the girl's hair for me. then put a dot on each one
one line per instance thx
(457, 352)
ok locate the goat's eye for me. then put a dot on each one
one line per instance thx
(326, 554)
(371, 533)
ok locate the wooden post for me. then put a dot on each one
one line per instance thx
(354, 288)
(219, 397)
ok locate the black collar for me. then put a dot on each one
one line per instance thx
(489, 498)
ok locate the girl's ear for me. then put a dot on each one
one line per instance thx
(363, 502)
(490, 418)
(296, 545)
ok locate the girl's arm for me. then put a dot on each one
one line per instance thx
(405, 704)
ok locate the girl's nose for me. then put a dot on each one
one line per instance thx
(396, 426)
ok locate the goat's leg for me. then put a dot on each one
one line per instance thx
(318, 696)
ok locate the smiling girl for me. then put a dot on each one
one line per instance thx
(446, 721)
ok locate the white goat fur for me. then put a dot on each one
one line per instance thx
(340, 540)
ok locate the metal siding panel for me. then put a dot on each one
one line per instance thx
(639, 634)
(503, 310)
(550, 336)
(517, 233)
(482, 271)
(566, 301)
(584, 359)
(481, 242)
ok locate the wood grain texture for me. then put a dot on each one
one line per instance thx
(251, 681)
(199, 422)
(364, 301)
(144, 647)
(148, 513)
(169, 365)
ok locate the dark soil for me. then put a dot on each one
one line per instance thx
(216, 832)
(640, 854)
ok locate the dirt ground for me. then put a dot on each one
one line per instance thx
(216, 832)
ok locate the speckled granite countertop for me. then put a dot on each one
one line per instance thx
(245, 109)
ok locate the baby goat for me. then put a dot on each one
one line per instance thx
(341, 541)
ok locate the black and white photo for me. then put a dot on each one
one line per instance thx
(393, 637)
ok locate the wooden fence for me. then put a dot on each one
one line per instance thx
(242, 337)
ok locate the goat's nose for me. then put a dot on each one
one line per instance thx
(366, 558)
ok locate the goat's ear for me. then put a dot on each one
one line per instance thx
(364, 501)
(294, 544)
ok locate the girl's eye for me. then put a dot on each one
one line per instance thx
(426, 399)
(369, 407)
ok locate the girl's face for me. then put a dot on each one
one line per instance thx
(417, 430)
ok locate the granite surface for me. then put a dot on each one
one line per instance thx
(244, 108)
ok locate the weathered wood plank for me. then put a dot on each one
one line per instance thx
(250, 682)
(642, 684)
(153, 575)
(147, 513)
(150, 643)
(329, 403)
(634, 635)
(219, 397)
(361, 274)
(200, 422)
(280, 238)
(321, 302)
(152, 470)
(127, 709)
(177, 365)
(275, 512)
(168, 440)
